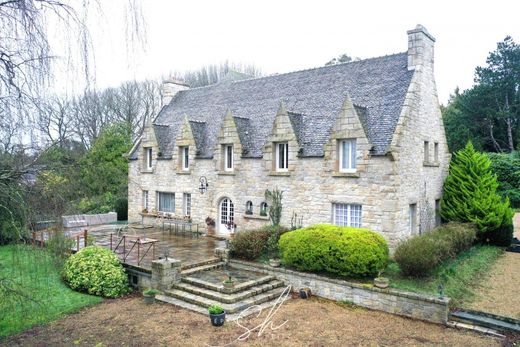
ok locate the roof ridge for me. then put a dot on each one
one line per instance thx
(162, 125)
(297, 71)
(197, 121)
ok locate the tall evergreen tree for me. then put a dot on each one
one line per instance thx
(470, 195)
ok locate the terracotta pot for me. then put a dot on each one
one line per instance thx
(211, 230)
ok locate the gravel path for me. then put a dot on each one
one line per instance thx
(313, 322)
(499, 293)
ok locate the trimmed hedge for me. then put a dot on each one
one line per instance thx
(97, 271)
(336, 250)
(252, 244)
(419, 255)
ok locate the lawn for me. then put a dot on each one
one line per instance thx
(461, 275)
(40, 296)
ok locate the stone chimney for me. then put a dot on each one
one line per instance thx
(420, 48)
(170, 88)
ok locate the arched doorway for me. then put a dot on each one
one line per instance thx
(226, 214)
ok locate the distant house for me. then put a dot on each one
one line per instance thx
(359, 144)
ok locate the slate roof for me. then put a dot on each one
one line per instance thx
(377, 87)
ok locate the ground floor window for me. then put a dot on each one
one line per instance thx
(413, 218)
(437, 212)
(146, 203)
(186, 202)
(346, 215)
(166, 202)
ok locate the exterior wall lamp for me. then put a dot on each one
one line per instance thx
(203, 184)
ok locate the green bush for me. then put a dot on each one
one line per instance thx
(419, 255)
(507, 169)
(252, 244)
(96, 270)
(336, 250)
(470, 194)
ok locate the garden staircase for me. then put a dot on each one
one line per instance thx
(200, 287)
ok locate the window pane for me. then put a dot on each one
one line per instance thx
(166, 202)
(345, 149)
(187, 204)
(347, 215)
(186, 157)
(281, 153)
(352, 154)
(229, 162)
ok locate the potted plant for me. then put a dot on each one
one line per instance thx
(228, 283)
(149, 295)
(380, 281)
(217, 315)
(210, 222)
(273, 251)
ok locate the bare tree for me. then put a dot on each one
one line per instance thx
(54, 120)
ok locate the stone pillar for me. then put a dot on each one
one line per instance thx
(222, 254)
(165, 272)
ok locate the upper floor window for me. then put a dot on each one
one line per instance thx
(185, 158)
(436, 152)
(186, 204)
(165, 202)
(346, 215)
(347, 155)
(282, 156)
(426, 151)
(148, 157)
(228, 157)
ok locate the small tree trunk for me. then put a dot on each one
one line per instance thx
(495, 143)
(510, 141)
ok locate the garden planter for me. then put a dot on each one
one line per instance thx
(217, 320)
(274, 262)
(149, 299)
(228, 285)
(381, 282)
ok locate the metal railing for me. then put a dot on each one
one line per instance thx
(143, 247)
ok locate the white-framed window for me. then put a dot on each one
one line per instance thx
(347, 155)
(184, 153)
(348, 215)
(412, 215)
(165, 202)
(186, 204)
(436, 151)
(249, 207)
(228, 157)
(146, 201)
(148, 157)
(282, 156)
(426, 151)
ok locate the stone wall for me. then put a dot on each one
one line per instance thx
(80, 220)
(417, 306)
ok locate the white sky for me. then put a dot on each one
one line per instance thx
(282, 36)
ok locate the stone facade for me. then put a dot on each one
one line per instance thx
(384, 185)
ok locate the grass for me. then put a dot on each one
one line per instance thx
(40, 296)
(462, 275)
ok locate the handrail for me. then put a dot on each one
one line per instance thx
(138, 241)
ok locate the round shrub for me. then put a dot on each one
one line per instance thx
(337, 250)
(97, 271)
(418, 256)
(252, 243)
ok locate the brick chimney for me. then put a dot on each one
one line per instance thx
(170, 88)
(420, 48)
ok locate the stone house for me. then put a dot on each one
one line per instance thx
(359, 144)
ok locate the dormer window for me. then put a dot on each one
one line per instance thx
(282, 156)
(148, 157)
(228, 157)
(184, 153)
(347, 155)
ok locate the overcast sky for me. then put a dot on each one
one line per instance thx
(283, 36)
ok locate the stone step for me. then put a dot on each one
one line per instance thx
(230, 317)
(197, 268)
(202, 263)
(220, 287)
(229, 308)
(229, 298)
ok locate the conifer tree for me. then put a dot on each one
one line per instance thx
(470, 196)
